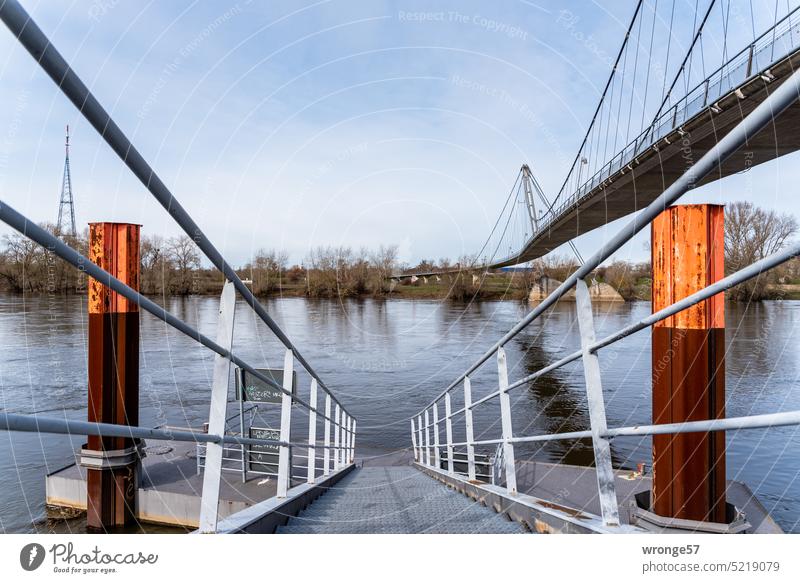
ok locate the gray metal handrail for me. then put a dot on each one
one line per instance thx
(421, 424)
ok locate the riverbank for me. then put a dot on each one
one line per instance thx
(493, 288)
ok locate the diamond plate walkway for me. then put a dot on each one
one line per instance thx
(396, 500)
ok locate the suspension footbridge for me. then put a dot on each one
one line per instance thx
(744, 113)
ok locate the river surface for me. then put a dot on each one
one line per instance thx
(387, 359)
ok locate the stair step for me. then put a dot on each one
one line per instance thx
(396, 500)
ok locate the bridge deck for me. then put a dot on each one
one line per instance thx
(396, 500)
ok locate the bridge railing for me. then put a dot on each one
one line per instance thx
(430, 419)
(775, 44)
(339, 423)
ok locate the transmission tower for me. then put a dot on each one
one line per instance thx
(66, 206)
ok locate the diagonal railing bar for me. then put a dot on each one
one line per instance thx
(50, 60)
(53, 244)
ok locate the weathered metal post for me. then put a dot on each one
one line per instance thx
(112, 462)
(689, 363)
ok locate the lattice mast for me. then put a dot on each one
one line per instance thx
(66, 206)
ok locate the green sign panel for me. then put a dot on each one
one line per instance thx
(264, 458)
(258, 391)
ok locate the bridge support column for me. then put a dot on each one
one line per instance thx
(688, 363)
(113, 370)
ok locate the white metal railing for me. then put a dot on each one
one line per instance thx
(421, 424)
(342, 424)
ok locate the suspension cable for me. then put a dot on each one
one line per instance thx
(603, 95)
(697, 36)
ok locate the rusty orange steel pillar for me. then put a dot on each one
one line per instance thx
(688, 363)
(113, 377)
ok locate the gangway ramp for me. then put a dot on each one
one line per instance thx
(397, 500)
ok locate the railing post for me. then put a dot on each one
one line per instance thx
(326, 455)
(240, 374)
(505, 421)
(346, 448)
(337, 417)
(436, 459)
(448, 428)
(427, 439)
(312, 433)
(284, 452)
(209, 500)
(345, 437)
(597, 412)
(419, 439)
(353, 443)
(414, 441)
(470, 438)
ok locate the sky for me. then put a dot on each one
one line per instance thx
(291, 125)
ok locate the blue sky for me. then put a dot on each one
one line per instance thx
(296, 124)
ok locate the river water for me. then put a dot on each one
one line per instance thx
(387, 359)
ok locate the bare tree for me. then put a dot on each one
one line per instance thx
(384, 264)
(752, 233)
(266, 270)
(156, 265)
(185, 257)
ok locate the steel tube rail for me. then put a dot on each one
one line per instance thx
(731, 423)
(39, 424)
(747, 422)
(53, 244)
(760, 117)
(50, 60)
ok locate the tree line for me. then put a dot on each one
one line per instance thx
(173, 266)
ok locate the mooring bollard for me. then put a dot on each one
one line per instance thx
(689, 363)
(112, 462)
